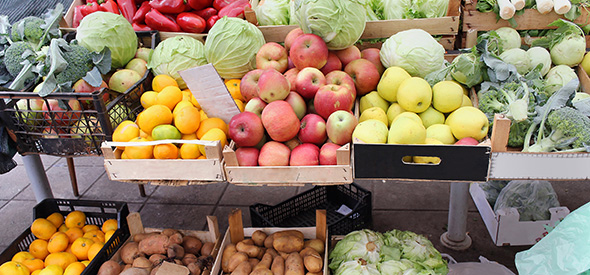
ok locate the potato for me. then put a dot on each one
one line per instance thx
(308, 251)
(129, 252)
(250, 249)
(294, 265)
(175, 251)
(313, 263)
(142, 262)
(189, 258)
(229, 251)
(157, 259)
(207, 248)
(194, 269)
(287, 243)
(265, 262)
(261, 271)
(268, 241)
(127, 266)
(169, 232)
(192, 244)
(135, 271)
(138, 237)
(155, 244)
(176, 238)
(278, 266)
(109, 267)
(258, 237)
(316, 244)
(253, 262)
(315, 273)
(244, 268)
(291, 232)
(236, 259)
(248, 241)
(284, 255)
(272, 252)
(155, 270)
(261, 253)
(178, 261)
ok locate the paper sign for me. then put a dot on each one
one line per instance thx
(210, 91)
(172, 269)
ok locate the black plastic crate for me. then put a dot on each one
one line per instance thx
(299, 211)
(96, 213)
(73, 132)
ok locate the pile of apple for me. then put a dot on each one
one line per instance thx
(299, 101)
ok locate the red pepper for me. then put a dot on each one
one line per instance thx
(235, 9)
(157, 21)
(206, 13)
(220, 4)
(90, 8)
(140, 27)
(91, 1)
(168, 6)
(109, 6)
(211, 21)
(127, 8)
(77, 16)
(190, 22)
(200, 4)
(139, 16)
(139, 2)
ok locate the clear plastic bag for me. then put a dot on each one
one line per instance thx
(532, 199)
(492, 189)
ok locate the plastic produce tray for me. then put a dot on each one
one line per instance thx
(299, 211)
(96, 213)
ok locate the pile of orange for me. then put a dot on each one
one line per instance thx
(171, 113)
(64, 245)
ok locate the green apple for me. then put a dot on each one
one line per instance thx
(393, 110)
(389, 83)
(431, 116)
(410, 115)
(424, 159)
(586, 63)
(373, 99)
(405, 130)
(441, 132)
(468, 121)
(579, 96)
(374, 113)
(447, 96)
(371, 131)
(466, 101)
(414, 94)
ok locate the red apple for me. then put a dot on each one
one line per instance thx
(274, 153)
(372, 54)
(365, 75)
(81, 86)
(328, 154)
(291, 75)
(50, 132)
(305, 154)
(59, 115)
(340, 126)
(313, 129)
(255, 105)
(332, 64)
(290, 64)
(246, 129)
(31, 109)
(292, 143)
(467, 141)
(332, 97)
(247, 156)
(249, 84)
(272, 56)
(309, 50)
(310, 107)
(297, 103)
(280, 121)
(272, 86)
(341, 78)
(347, 55)
(308, 81)
(291, 36)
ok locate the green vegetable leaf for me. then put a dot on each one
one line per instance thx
(557, 100)
(565, 29)
(583, 106)
(57, 63)
(93, 77)
(4, 30)
(51, 26)
(23, 76)
(102, 60)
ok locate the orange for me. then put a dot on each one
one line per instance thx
(62, 259)
(36, 272)
(94, 249)
(211, 135)
(189, 151)
(145, 135)
(43, 228)
(154, 116)
(181, 105)
(63, 228)
(110, 224)
(190, 136)
(195, 102)
(39, 249)
(139, 152)
(161, 81)
(86, 263)
(58, 242)
(90, 227)
(165, 151)
(125, 132)
(22, 256)
(233, 86)
(187, 120)
(210, 123)
(34, 264)
(76, 219)
(74, 233)
(202, 157)
(52, 270)
(187, 95)
(108, 235)
(148, 99)
(56, 218)
(240, 104)
(69, 249)
(95, 235)
(13, 268)
(80, 248)
(74, 269)
(169, 97)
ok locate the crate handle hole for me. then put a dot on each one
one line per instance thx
(421, 160)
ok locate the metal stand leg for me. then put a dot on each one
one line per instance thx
(141, 190)
(73, 179)
(456, 237)
(37, 176)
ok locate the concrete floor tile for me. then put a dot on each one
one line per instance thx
(49, 160)
(106, 189)
(222, 214)
(19, 159)
(3, 202)
(368, 185)
(13, 182)
(206, 194)
(177, 216)
(134, 207)
(572, 194)
(95, 161)
(61, 186)
(16, 217)
(248, 195)
(402, 195)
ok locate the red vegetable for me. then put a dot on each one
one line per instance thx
(220, 4)
(127, 9)
(139, 16)
(190, 22)
(235, 9)
(140, 27)
(77, 16)
(139, 2)
(211, 21)
(91, 1)
(109, 6)
(157, 21)
(200, 4)
(168, 6)
(206, 13)
(90, 8)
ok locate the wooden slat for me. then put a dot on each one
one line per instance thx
(448, 25)
(156, 169)
(343, 155)
(320, 224)
(135, 223)
(236, 227)
(584, 79)
(500, 133)
(531, 19)
(260, 175)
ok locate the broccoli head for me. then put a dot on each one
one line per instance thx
(570, 131)
(28, 29)
(13, 57)
(79, 61)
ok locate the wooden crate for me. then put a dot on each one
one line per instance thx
(236, 232)
(288, 175)
(174, 172)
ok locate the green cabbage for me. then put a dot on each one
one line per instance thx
(519, 58)
(415, 50)
(339, 22)
(557, 77)
(396, 9)
(393, 267)
(362, 244)
(176, 54)
(358, 267)
(231, 46)
(430, 8)
(539, 55)
(509, 38)
(271, 12)
(105, 29)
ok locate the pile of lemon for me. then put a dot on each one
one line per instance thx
(172, 113)
(64, 245)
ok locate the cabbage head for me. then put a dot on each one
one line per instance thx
(292, 18)
(362, 244)
(415, 50)
(557, 77)
(339, 22)
(509, 38)
(393, 267)
(176, 54)
(519, 58)
(539, 55)
(105, 29)
(231, 46)
(358, 267)
(271, 12)
(430, 8)
(396, 9)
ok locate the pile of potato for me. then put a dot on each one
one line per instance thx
(146, 252)
(284, 252)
